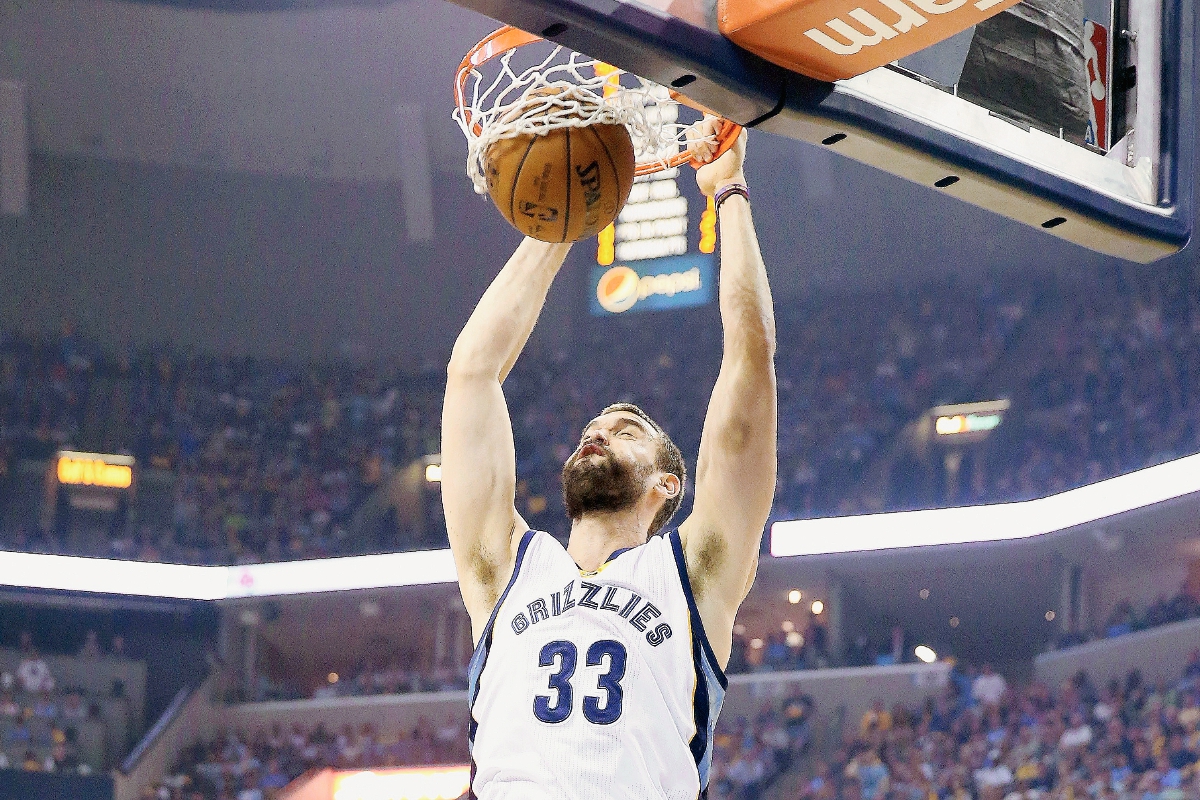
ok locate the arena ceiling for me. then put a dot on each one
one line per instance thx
(334, 91)
(358, 91)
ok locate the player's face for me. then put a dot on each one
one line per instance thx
(611, 468)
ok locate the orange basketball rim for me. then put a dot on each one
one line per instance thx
(507, 39)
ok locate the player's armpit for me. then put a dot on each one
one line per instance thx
(478, 490)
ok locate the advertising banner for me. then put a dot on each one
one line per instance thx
(677, 282)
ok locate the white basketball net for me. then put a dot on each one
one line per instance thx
(575, 92)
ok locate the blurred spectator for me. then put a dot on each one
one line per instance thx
(34, 674)
(871, 774)
(91, 646)
(44, 706)
(797, 714)
(749, 754)
(1193, 666)
(8, 705)
(1033, 744)
(876, 719)
(988, 687)
(73, 706)
(1124, 618)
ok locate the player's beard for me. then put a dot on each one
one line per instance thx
(608, 485)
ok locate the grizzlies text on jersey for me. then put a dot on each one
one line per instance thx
(594, 685)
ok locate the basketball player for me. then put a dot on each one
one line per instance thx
(598, 667)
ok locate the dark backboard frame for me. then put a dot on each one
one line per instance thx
(743, 87)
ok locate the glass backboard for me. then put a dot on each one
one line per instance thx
(1073, 116)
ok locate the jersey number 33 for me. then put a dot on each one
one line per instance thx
(598, 709)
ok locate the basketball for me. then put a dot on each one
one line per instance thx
(563, 185)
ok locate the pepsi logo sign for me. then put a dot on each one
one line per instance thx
(677, 282)
(617, 289)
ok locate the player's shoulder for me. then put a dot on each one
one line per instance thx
(539, 546)
(662, 552)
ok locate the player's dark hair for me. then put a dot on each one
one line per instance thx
(669, 459)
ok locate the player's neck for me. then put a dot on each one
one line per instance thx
(596, 536)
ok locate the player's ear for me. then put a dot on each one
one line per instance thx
(669, 484)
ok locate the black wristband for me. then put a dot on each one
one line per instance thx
(722, 194)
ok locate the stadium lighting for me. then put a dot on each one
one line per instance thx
(1001, 522)
(924, 653)
(988, 523)
(817, 607)
(109, 576)
(185, 582)
(441, 783)
(433, 473)
(418, 568)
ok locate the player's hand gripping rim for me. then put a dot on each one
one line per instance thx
(702, 145)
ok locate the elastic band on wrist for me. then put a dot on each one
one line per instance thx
(722, 194)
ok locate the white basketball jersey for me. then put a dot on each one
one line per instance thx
(594, 685)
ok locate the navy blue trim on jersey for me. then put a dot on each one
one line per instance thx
(711, 683)
(607, 561)
(479, 657)
(697, 624)
(616, 553)
(700, 716)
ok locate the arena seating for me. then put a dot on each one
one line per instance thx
(980, 737)
(256, 763)
(780, 736)
(1122, 739)
(1127, 619)
(67, 714)
(1107, 380)
(239, 764)
(252, 460)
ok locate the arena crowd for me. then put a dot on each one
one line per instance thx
(980, 739)
(49, 725)
(985, 740)
(255, 766)
(272, 460)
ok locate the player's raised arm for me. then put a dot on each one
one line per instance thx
(735, 470)
(478, 460)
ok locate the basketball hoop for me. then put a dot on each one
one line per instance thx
(568, 89)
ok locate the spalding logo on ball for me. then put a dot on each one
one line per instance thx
(617, 290)
(564, 184)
